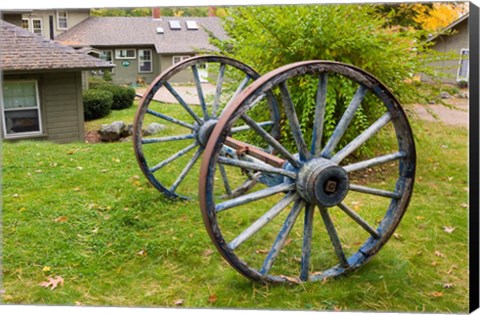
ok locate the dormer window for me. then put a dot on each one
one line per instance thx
(62, 20)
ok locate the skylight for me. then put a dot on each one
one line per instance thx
(192, 25)
(160, 30)
(175, 25)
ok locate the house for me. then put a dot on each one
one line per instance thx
(51, 23)
(41, 96)
(454, 38)
(143, 47)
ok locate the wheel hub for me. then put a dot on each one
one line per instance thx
(322, 182)
(205, 130)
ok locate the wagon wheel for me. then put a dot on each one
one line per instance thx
(168, 159)
(348, 214)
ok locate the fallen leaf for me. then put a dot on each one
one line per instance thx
(436, 294)
(76, 189)
(103, 171)
(450, 179)
(79, 167)
(46, 268)
(261, 251)
(52, 282)
(439, 254)
(291, 279)
(53, 164)
(337, 308)
(38, 171)
(419, 217)
(288, 241)
(178, 302)
(448, 229)
(464, 205)
(212, 299)
(78, 303)
(451, 269)
(136, 177)
(22, 209)
(397, 236)
(434, 263)
(15, 195)
(61, 219)
(207, 252)
(448, 285)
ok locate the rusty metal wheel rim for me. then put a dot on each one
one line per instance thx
(378, 237)
(197, 129)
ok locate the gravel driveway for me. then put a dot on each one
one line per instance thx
(454, 117)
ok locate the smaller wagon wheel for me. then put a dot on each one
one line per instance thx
(168, 159)
(323, 173)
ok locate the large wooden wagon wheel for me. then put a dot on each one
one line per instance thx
(167, 159)
(322, 214)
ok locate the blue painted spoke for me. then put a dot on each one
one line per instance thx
(374, 191)
(362, 138)
(239, 89)
(246, 127)
(226, 184)
(294, 123)
(360, 221)
(263, 220)
(332, 233)
(182, 102)
(254, 196)
(307, 241)
(167, 139)
(375, 161)
(201, 98)
(171, 119)
(218, 90)
(173, 157)
(320, 104)
(271, 140)
(282, 237)
(344, 122)
(256, 166)
(187, 169)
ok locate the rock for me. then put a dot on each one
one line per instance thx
(462, 95)
(445, 95)
(130, 129)
(153, 128)
(113, 132)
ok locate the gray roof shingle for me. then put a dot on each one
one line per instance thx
(22, 50)
(137, 31)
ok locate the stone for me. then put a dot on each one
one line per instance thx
(113, 132)
(445, 95)
(462, 95)
(153, 129)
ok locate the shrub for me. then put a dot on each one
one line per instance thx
(96, 103)
(123, 97)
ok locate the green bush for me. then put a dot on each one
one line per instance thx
(96, 103)
(123, 97)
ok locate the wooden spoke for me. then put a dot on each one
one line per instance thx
(271, 140)
(256, 166)
(362, 138)
(226, 184)
(183, 103)
(307, 241)
(166, 139)
(282, 237)
(375, 161)
(320, 104)
(218, 90)
(170, 119)
(364, 224)
(332, 233)
(373, 191)
(187, 169)
(246, 127)
(254, 196)
(201, 98)
(173, 158)
(294, 123)
(344, 122)
(263, 220)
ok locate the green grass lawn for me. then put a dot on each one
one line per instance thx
(85, 212)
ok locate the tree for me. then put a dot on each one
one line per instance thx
(269, 37)
(439, 16)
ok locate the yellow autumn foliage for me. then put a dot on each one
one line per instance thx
(440, 16)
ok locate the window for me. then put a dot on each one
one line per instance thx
(145, 60)
(192, 25)
(62, 20)
(177, 59)
(33, 25)
(464, 66)
(107, 55)
(125, 54)
(21, 108)
(175, 25)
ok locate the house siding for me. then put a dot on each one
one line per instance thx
(74, 17)
(185, 76)
(448, 44)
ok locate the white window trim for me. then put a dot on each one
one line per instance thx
(182, 58)
(40, 123)
(58, 19)
(117, 53)
(459, 79)
(140, 61)
(112, 70)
